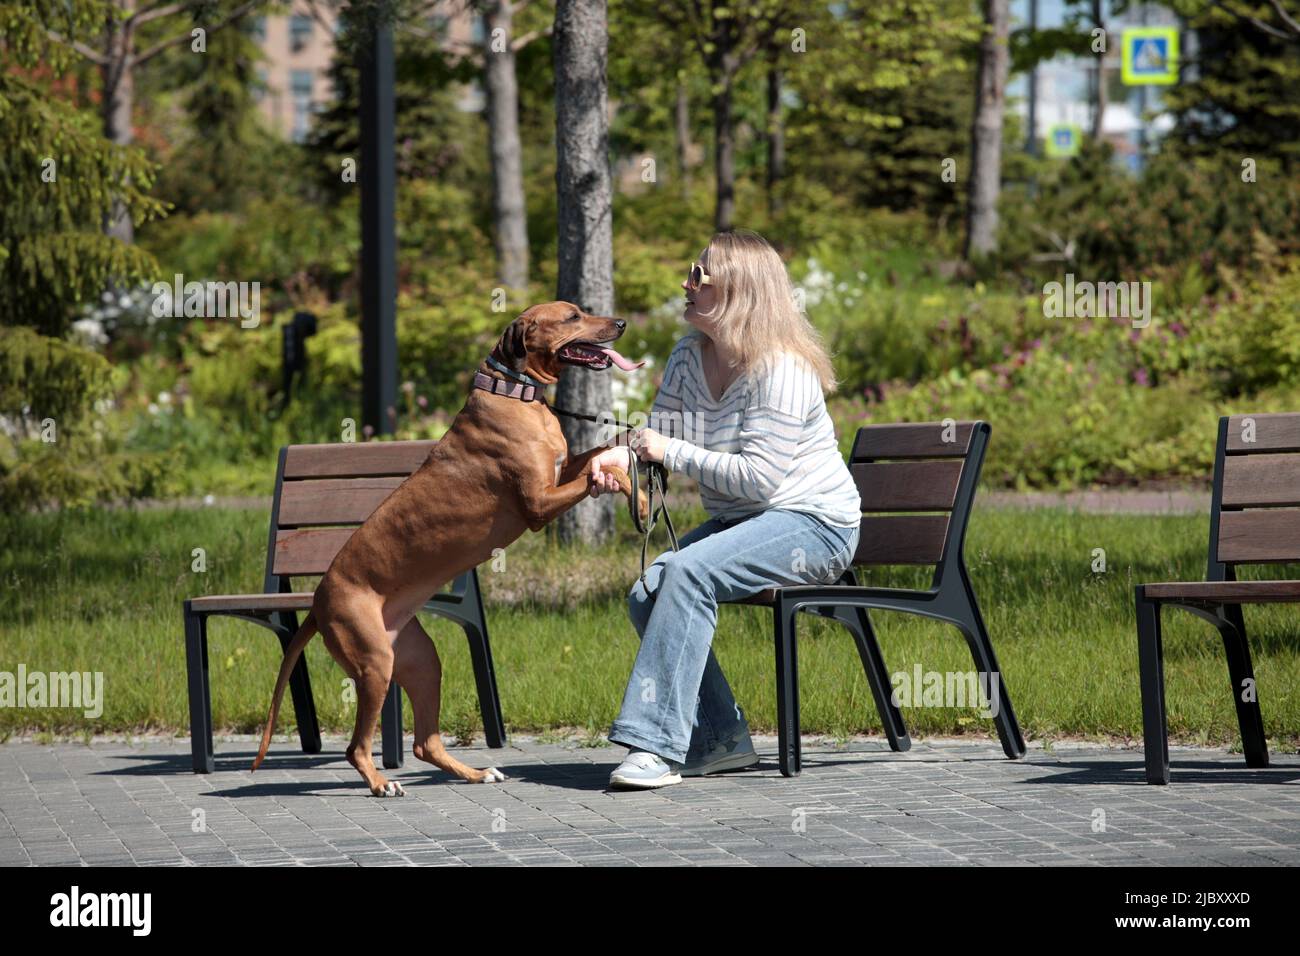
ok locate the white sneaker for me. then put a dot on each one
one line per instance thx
(642, 770)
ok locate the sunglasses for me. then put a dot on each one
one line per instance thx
(697, 277)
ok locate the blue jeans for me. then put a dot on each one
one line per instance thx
(677, 703)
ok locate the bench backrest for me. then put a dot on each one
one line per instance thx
(917, 483)
(1255, 504)
(323, 493)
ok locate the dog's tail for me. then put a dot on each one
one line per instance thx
(291, 655)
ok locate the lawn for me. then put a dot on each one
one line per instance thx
(100, 590)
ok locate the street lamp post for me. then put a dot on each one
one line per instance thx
(378, 231)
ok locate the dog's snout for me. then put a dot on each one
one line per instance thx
(620, 324)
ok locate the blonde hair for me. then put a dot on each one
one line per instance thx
(756, 316)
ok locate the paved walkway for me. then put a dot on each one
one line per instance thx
(945, 802)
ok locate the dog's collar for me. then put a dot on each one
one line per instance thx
(517, 376)
(499, 386)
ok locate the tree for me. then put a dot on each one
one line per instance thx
(497, 58)
(585, 211)
(120, 51)
(217, 92)
(728, 34)
(775, 131)
(436, 140)
(1279, 22)
(883, 100)
(60, 176)
(652, 90)
(510, 213)
(1241, 102)
(986, 131)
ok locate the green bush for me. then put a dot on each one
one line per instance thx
(281, 242)
(53, 448)
(1180, 210)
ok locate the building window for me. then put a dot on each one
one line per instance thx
(258, 29)
(299, 32)
(300, 87)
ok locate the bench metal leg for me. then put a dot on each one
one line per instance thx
(480, 652)
(1253, 742)
(1155, 731)
(873, 663)
(304, 705)
(200, 693)
(787, 690)
(986, 662)
(391, 727)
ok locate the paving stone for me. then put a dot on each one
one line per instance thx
(944, 803)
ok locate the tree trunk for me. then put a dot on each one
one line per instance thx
(585, 224)
(508, 206)
(118, 98)
(724, 154)
(1099, 104)
(986, 132)
(775, 139)
(682, 128)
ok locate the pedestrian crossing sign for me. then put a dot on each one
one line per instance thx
(1063, 140)
(1150, 56)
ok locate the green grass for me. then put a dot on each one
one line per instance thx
(101, 591)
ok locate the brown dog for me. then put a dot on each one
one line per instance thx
(503, 467)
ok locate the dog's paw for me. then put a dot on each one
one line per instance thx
(493, 775)
(390, 789)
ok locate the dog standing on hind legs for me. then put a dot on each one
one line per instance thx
(502, 468)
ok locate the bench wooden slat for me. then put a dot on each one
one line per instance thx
(361, 460)
(923, 440)
(901, 539)
(1259, 537)
(1230, 592)
(307, 551)
(253, 602)
(332, 500)
(1274, 431)
(908, 485)
(1261, 480)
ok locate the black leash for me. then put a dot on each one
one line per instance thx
(656, 486)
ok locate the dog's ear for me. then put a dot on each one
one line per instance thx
(514, 350)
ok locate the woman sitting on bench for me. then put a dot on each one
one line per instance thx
(740, 410)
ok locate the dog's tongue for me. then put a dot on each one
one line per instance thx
(621, 362)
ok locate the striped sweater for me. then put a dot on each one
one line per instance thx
(767, 443)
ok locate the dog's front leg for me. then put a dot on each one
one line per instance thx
(543, 505)
(580, 466)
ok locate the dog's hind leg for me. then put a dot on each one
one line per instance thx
(418, 670)
(369, 662)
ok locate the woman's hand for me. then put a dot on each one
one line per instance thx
(601, 481)
(649, 444)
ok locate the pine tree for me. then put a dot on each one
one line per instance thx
(60, 176)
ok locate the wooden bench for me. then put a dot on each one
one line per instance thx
(322, 494)
(1254, 519)
(917, 483)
